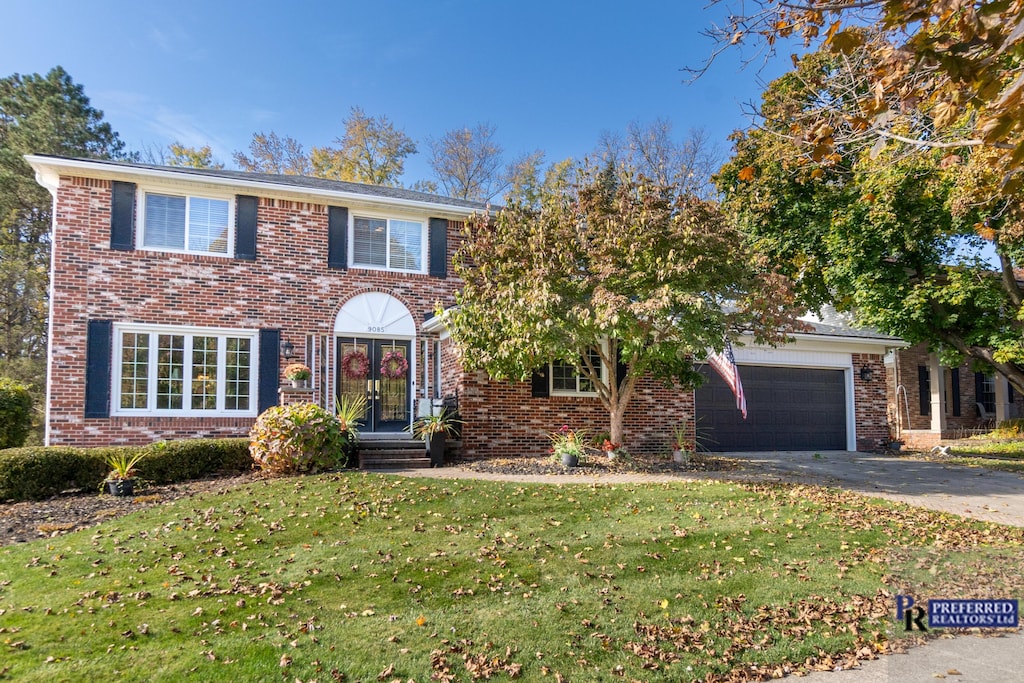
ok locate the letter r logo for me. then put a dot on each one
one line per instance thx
(903, 602)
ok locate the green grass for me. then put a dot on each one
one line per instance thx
(991, 463)
(368, 577)
(1014, 449)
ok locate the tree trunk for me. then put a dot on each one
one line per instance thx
(616, 414)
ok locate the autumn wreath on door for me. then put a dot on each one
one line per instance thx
(393, 365)
(355, 365)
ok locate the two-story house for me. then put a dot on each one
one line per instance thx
(178, 295)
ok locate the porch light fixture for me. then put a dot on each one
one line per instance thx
(287, 350)
(867, 373)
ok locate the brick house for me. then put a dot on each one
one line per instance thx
(929, 402)
(178, 295)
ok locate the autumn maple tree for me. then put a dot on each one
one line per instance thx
(602, 267)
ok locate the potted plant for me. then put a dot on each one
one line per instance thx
(298, 374)
(350, 409)
(434, 430)
(568, 446)
(610, 448)
(120, 480)
(680, 455)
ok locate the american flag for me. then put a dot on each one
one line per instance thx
(725, 365)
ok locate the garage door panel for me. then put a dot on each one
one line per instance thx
(787, 409)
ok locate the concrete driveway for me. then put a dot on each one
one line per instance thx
(973, 492)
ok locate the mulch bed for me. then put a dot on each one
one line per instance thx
(31, 520)
(599, 464)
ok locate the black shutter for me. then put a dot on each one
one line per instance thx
(620, 368)
(955, 388)
(539, 387)
(439, 247)
(337, 237)
(270, 368)
(924, 390)
(97, 368)
(122, 216)
(245, 227)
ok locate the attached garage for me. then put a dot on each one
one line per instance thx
(788, 409)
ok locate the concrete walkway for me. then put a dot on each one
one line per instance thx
(972, 492)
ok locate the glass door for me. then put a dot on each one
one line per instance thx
(379, 370)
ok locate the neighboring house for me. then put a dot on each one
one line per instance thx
(929, 402)
(178, 295)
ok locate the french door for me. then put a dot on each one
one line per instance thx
(379, 370)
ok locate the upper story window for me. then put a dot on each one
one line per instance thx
(388, 243)
(201, 225)
(565, 380)
(161, 370)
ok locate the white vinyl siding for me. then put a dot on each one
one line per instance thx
(388, 244)
(201, 225)
(160, 370)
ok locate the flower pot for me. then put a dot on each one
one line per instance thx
(570, 459)
(435, 448)
(610, 455)
(121, 487)
(298, 384)
(679, 457)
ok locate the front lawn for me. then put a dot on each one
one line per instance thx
(361, 577)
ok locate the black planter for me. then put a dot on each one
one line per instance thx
(435, 448)
(121, 487)
(570, 459)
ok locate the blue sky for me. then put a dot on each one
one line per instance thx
(549, 75)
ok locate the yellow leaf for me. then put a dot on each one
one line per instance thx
(746, 173)
(664, 604)
(421, 620)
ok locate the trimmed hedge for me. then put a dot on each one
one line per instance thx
(38, 472)
(15, 413)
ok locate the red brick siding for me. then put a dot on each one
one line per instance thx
(507, 421)
(905, 373)
(289, 287)
(870, 405)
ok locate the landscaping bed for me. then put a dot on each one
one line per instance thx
(599, 464)
(31, 520)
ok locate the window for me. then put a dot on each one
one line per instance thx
(987, 395)
(388, 243)
(199, 225)
(565, 380)
(163, 371)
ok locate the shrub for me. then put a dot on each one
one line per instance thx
(37, 472)
(168, 462)
(302, 437)
(15, 413)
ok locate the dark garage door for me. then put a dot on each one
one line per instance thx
(788, 409)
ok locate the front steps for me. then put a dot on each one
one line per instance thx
(390, 452)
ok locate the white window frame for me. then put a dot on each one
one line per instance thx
(577, 392)
(424, 256)
(140, 228)
(120, 329)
